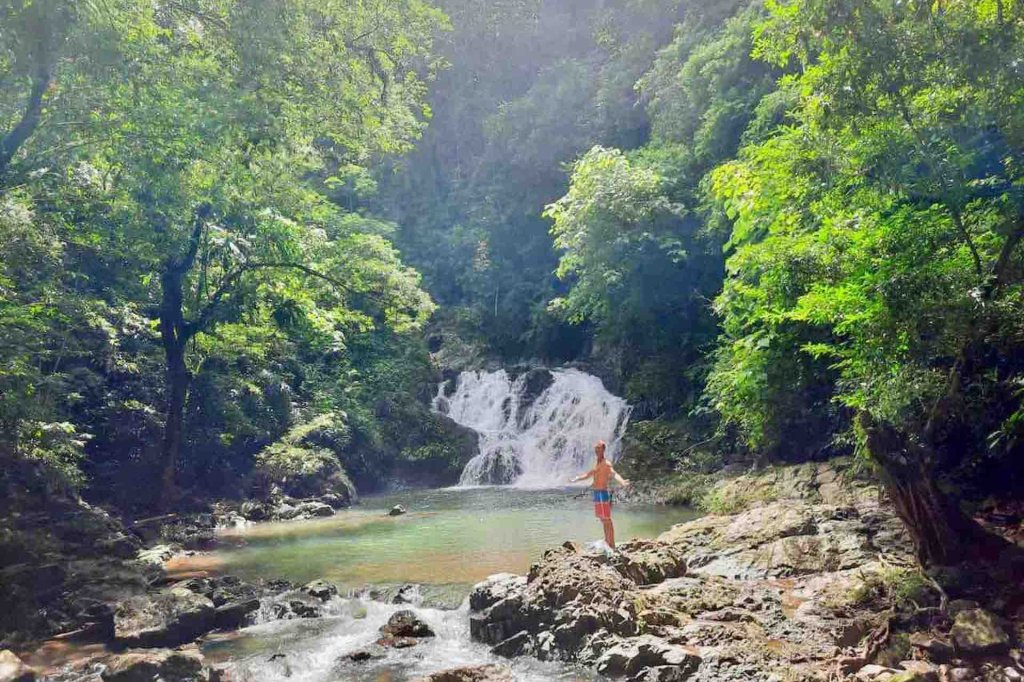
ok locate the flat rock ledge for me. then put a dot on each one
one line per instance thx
(764, 594)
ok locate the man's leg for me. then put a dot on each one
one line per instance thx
(609, 532)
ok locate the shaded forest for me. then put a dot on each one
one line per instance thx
(234, 233)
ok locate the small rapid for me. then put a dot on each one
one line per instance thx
(537, 429)
(326, 649)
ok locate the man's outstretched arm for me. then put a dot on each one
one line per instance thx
(619, 479)
(582, 477)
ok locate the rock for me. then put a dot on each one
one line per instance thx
(633, 655)
(156, 555)
(156, 664)
(405, 623)
(397, 510)
(235, 614)
(663, 673)
(320, 589)
(12, 669)
(368, 654)
(494, 589)
(872, 673)
(296, 604)
(335, 501)
(166, 618)
(516, 645)
(936, 649)
(976, 632)
(961, 675)
(255, 510)
(310, 510)
(918, 671)
(407, 594)
(1012, 674)
(472, 673)
(958, 605)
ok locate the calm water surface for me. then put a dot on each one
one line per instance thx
(449, 536)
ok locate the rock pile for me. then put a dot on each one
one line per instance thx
(790, 588)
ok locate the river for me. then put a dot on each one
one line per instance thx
(448, 540)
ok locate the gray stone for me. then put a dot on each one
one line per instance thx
(976, 632)
(633, 655)
(320, 589)
(405, 623)
(156, 664)
(235, 614)
(167, 618)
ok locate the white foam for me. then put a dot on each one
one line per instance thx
(539, 445)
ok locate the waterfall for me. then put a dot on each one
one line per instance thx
(536, 430)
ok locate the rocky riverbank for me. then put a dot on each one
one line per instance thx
(811, 578)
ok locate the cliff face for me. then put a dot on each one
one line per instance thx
(814, 577)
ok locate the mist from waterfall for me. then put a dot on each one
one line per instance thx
(529, 440)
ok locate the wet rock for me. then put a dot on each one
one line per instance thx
(405, 623)
(320, 589)
(12, 669)
(473, 673)
(368, 654)
(296, 604)
(156, 664)
(977, 632)
(233, 615)
(280, 664)
(166, 618)
(517, 645)
(397, 510)
(407, 594)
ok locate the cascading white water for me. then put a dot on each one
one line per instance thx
(533, 443)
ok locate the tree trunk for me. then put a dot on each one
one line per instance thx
(941, 532)
(178, 380)
(175, 333)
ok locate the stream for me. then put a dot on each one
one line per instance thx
(449, 539)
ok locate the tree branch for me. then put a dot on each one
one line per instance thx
(209, 312)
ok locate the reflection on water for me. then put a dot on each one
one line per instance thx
(449, 539)
(450, 536)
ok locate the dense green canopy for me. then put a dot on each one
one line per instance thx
(782, 229)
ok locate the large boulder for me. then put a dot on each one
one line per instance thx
(634, 655)
(157, 664)
(12, 669)
(977, 632)
(168, 618)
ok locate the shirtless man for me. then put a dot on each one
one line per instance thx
(603, 473)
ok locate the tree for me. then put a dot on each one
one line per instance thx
(210, 137)
(880, 233)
